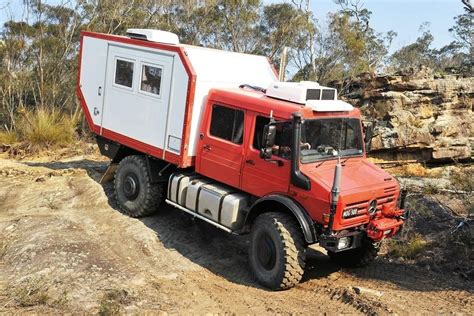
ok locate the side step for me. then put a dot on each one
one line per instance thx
(198, 216)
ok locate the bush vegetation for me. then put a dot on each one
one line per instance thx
(408, 249)
(42, 128)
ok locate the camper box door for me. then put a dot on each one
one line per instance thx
(137, 94)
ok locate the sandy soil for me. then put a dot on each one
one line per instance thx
(64, 247)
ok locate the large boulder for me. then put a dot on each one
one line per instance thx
(417, 112)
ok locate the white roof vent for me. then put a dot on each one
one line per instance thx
(329, 105)
(311, 94)
(153, 36)
(300, 92)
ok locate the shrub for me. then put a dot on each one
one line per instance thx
(8, 137)
(46, 127)
(409, 249)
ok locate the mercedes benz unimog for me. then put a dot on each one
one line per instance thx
(216, 135)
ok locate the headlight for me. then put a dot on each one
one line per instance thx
(344, 242)
(349, 212)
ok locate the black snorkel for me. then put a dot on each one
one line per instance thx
(298, 179)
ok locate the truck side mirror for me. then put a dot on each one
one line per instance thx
(268, 141)
(369, 134)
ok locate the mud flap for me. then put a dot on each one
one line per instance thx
(109, 173)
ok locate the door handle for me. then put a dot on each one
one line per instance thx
(250, 162)
(206, 147)
(96, 111)
(99, 91)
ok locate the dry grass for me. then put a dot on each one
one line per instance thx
(8, 137)
(112, 301)
(46, 127)
(40, 129)
(30, 292)
(407, 250)
(414, 170)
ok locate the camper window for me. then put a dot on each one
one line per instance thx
(151, 79)
(227, 123)
(124, 73)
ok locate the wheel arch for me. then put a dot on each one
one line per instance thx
(281, 203)
(158, 169)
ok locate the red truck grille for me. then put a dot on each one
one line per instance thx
(362, 206)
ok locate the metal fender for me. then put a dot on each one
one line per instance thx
(305, 221)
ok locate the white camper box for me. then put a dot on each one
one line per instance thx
(147, 91)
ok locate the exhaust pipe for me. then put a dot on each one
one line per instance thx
(334, 196)
(283, 60)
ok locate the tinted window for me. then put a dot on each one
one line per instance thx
(227, 123)
(313, 94)
(282, 146)
(151, 79)
(328, 94)
(124, 73)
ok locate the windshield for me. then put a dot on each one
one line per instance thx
(327, 138)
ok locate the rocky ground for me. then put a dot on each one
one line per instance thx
(420, 115)
(64, 247)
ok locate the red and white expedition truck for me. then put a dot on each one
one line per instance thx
(191, 127)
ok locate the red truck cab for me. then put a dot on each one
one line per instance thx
(230, 150)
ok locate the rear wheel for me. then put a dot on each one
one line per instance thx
(135, 193)
(277, 251)
(359, 257)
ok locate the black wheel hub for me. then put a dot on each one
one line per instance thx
(266, 252)
(131, 186)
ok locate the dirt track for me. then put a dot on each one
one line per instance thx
(65, 247)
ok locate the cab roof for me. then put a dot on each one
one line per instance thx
(257, 101)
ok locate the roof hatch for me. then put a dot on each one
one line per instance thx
(157, 36)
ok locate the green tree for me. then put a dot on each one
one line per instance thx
(348, 46)
(463, 32)
(416, 54)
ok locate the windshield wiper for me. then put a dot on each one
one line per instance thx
(319, 164)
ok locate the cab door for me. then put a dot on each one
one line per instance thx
(221, 148)
(261, 177)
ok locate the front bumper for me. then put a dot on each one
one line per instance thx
(376, 230)
(381, 228)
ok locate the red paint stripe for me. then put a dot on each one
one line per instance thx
(140, 146)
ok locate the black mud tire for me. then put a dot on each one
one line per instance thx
(356, 258)
(135, 193)
(277, 251)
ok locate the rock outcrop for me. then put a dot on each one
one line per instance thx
(419, 116)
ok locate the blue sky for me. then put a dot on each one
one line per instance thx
(401, 16)
(404, 17)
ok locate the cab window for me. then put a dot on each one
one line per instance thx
(282, 146)
(227, 123)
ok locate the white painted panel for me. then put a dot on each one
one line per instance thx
(130, 111)
(177, 109)
(222, 69)
(94, 60)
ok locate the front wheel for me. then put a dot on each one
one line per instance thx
(358, 257)
(277, 251)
